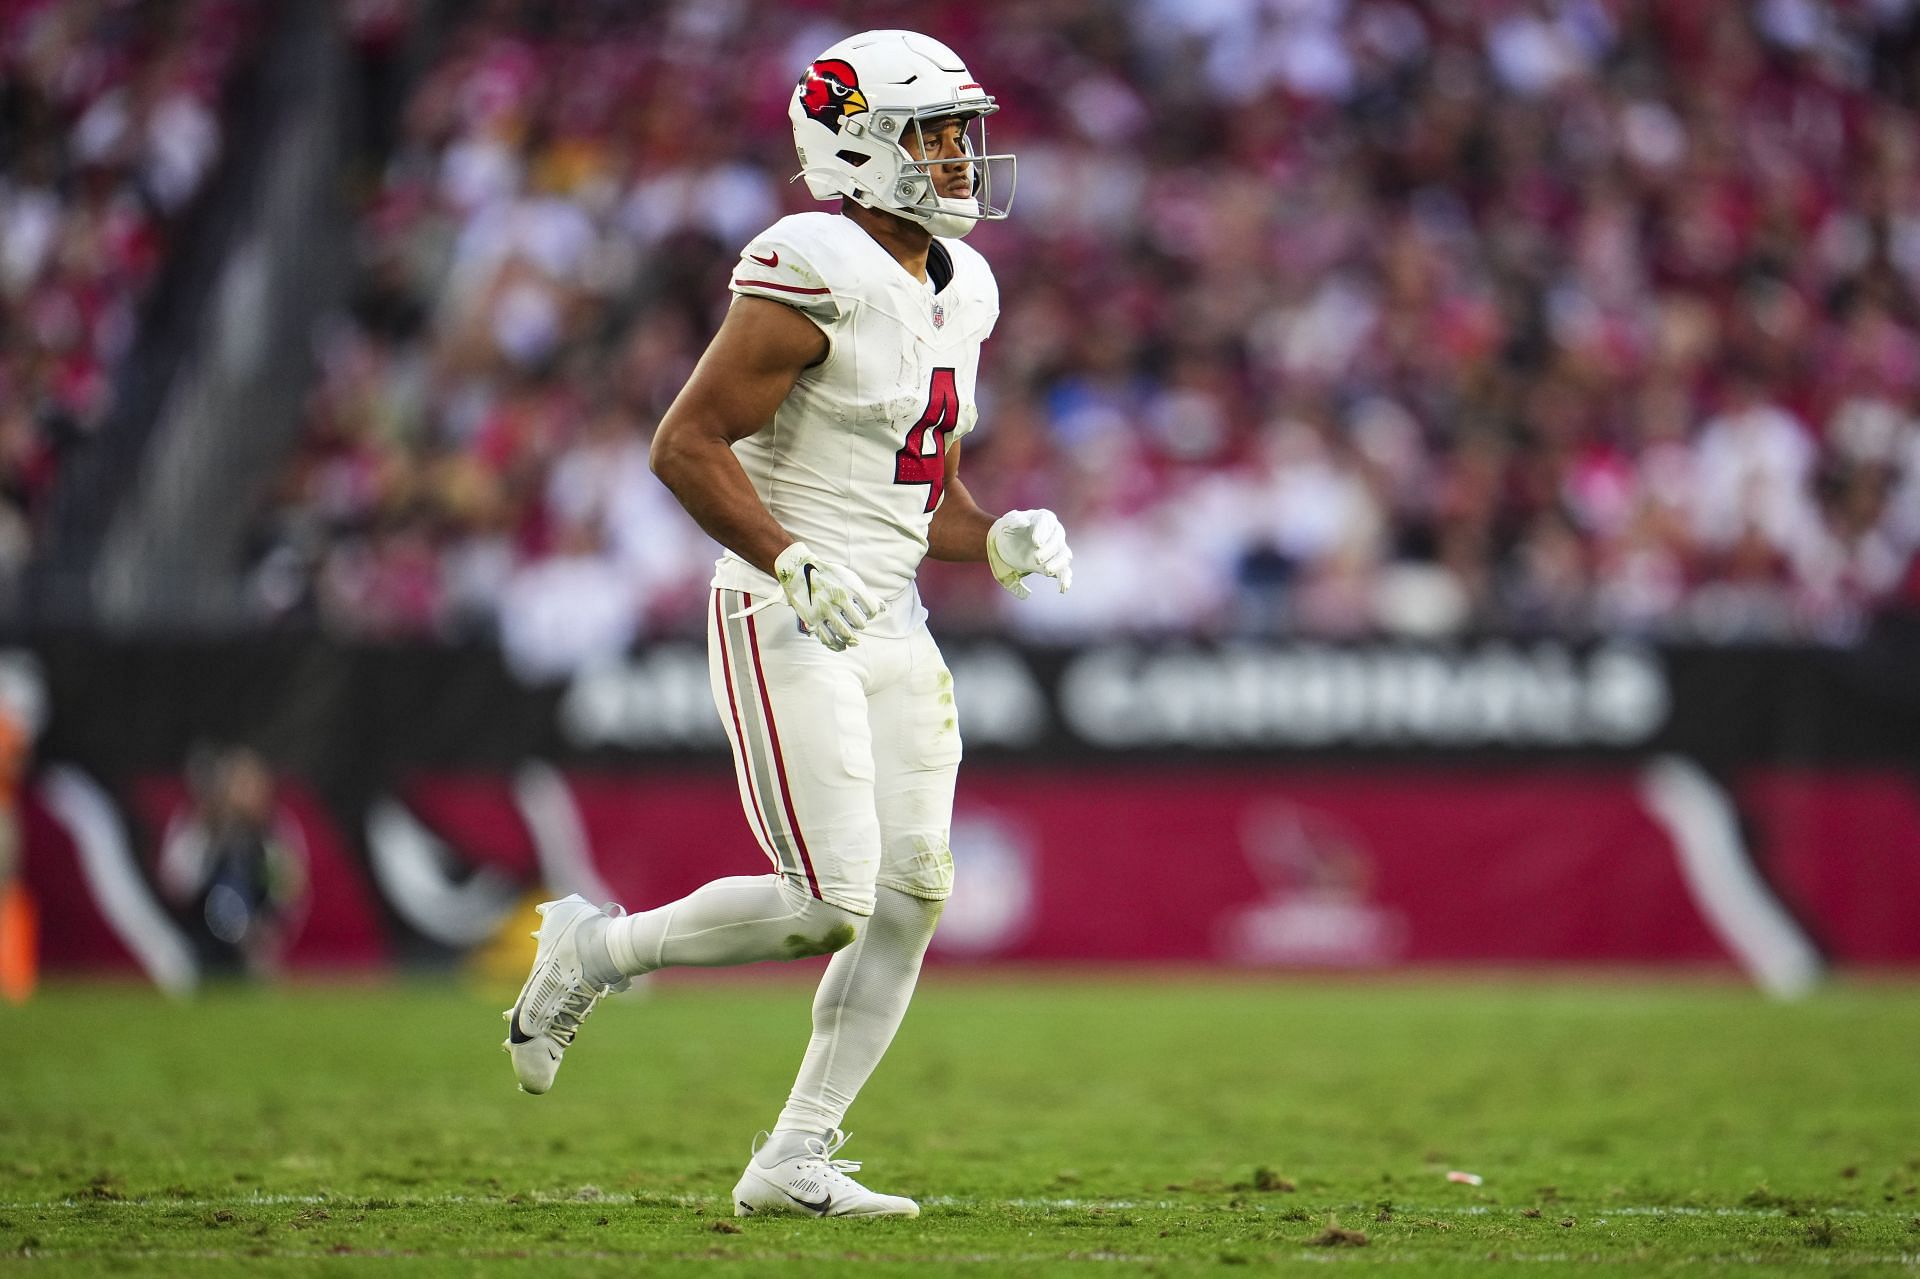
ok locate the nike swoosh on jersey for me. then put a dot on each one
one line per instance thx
(772, 259)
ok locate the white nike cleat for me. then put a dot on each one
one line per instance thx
(814, 1184)
(557, 996)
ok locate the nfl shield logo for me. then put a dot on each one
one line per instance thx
(939, 315)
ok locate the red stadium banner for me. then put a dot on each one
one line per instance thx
(1253, 867)
(1261, 867)
(218, 807)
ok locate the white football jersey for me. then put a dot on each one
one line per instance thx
(854, 461)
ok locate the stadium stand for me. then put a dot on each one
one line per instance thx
(1332, 318)
(110, 127)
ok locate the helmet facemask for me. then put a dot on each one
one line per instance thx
(916, 185)
(874, 168)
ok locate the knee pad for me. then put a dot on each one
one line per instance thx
(907, 915)
(818, 927)
(924, 871)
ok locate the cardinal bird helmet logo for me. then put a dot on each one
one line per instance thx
(830, 91)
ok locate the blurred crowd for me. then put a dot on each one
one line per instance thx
(109, 127)
(1320, 317)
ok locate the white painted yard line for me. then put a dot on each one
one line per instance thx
(1372, 1255)
(1401, 1209)
(377, 1202)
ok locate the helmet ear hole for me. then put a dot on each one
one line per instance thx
(854, 158)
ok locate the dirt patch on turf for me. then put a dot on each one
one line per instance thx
(106, 1187)
(1265, 1178)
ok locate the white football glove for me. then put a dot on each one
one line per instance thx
(833, 603)
(1023, 542)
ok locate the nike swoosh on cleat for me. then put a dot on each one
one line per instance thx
(772, 259)
(820, 1207)
(514, 1034)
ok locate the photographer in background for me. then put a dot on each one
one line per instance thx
(233, 875)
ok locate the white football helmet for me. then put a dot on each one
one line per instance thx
(860, 100)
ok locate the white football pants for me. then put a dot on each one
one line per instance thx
(846, 761)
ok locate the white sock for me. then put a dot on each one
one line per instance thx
(783, 1144)
(738, 920)
(859, 1005)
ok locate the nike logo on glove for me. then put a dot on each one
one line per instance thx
(806, 575)
(772, 259)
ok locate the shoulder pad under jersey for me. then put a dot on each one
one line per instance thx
(801, 260)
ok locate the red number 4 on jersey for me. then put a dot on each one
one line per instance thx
(916, 463)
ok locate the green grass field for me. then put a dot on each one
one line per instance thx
(1151, 1126)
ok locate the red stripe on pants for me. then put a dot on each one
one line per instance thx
(739, 730)
(779, 764)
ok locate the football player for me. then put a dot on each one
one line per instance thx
(818, 441)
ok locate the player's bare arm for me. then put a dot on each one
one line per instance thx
(748, 370)
(1014, 545)
(959, 528)
(762, 348)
